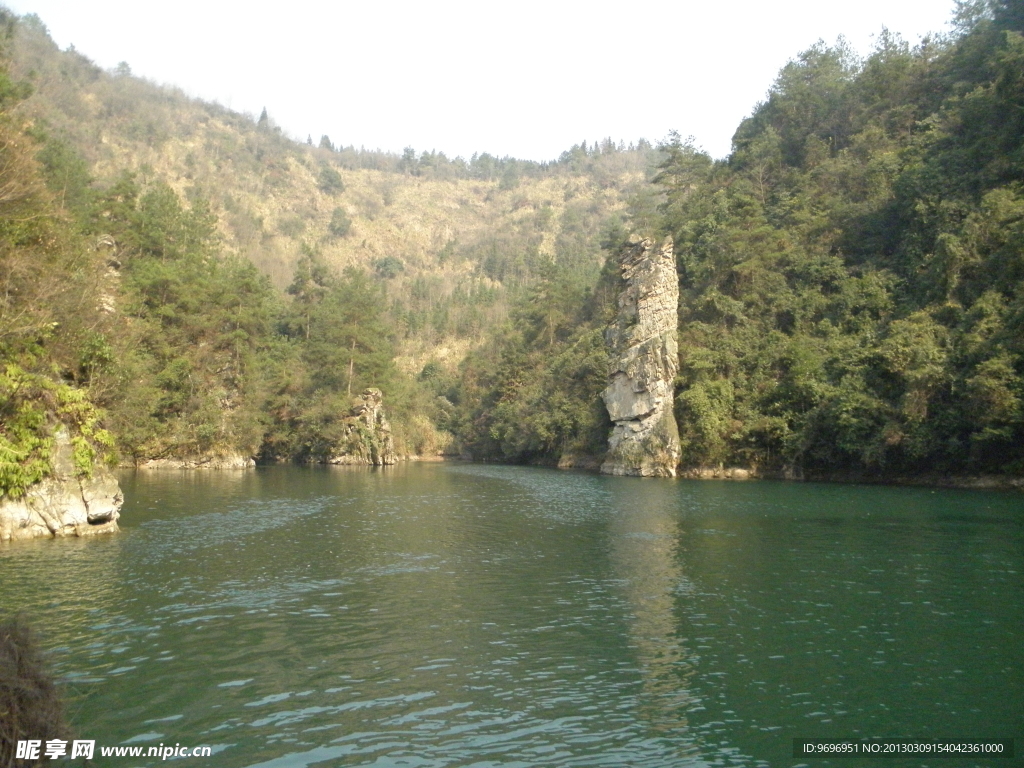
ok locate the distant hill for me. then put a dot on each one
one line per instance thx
(451, 238)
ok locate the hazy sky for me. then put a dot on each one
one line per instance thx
(527, 78)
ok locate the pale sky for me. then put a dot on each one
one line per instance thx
(528, 78)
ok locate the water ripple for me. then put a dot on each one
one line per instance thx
(468, 615)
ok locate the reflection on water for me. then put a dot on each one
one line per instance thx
(644, 553)
(461, 615)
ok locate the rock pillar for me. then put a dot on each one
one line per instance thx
(367, 434)
(644, 360)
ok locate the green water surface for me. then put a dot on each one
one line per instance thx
(473, 615)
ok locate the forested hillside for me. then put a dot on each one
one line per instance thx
(246, 287)
(852, 277)
(448, 238)
(181, 280)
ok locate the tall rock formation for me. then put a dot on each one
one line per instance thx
(645, 359)
(367, 434)
(63, 504)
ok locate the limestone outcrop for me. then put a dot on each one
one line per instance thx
(366, 438)
(63, 504)
(644, 361)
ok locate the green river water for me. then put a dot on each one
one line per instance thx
(477, 615)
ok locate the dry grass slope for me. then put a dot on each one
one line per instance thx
(443, 230)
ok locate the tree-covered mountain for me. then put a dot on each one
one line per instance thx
(450, 237)
(182, 280)
(246, 287)
(852, 275)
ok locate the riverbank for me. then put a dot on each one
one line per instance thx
(978, 482)
(592, 464)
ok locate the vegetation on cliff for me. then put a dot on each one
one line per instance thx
(46, 326)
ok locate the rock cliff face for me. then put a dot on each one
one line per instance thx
(63, 504)
(367, 436)
(645, 359)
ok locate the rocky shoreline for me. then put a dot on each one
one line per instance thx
(966, 482)
(232, 461)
